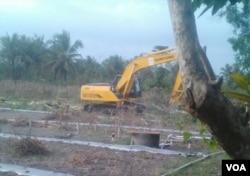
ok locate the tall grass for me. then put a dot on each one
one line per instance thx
(25, 90)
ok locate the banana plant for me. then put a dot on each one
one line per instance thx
(244, 83)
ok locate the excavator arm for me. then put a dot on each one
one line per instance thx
(127, 79)
(177, 92)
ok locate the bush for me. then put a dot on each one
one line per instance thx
(28, 146)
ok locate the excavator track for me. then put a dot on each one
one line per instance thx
(112, 108)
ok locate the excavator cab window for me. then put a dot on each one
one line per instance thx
(115, 81)
(135, 90)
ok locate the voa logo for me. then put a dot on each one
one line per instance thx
(236, 167)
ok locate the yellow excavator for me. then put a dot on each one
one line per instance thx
(125, 90)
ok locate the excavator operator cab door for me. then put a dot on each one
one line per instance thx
(135, 91)
(136, 88)
(116, 79)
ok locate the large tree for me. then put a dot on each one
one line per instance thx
(12, 51)
(63, 54)
(112, 66)
(239, 18)
(226, 71)
(36, 55)
(89, 70)
(203, 99)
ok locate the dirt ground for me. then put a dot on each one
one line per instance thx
(82, 160)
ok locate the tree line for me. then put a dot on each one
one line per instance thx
(58, 61)
(33, 58)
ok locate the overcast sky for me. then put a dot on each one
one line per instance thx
(108, 27)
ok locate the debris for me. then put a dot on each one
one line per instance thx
(30, 146)
(20, 122)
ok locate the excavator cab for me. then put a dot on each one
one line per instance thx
(135, 91)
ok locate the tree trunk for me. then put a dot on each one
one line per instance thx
(12, 69)
(203, 99)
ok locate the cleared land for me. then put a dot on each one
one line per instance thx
(85, 160)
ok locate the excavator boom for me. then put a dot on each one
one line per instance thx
(125, 83)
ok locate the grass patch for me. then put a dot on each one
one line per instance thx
(37, 91)
(207, 167)
(32, 95)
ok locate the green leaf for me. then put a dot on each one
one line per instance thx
(218, 5)
(239, 96)
(196, 4)
(213, 143)
(180, 126)
(202, 128)
(205, 10)
(202, 131)
(241, 80)
(187, 136)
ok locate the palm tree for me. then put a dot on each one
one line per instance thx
(226, 72)
(89, 69)
(113, 65)
(36, 56)
(63, 54)
(12, 51)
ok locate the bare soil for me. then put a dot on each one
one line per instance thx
(85, 160)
